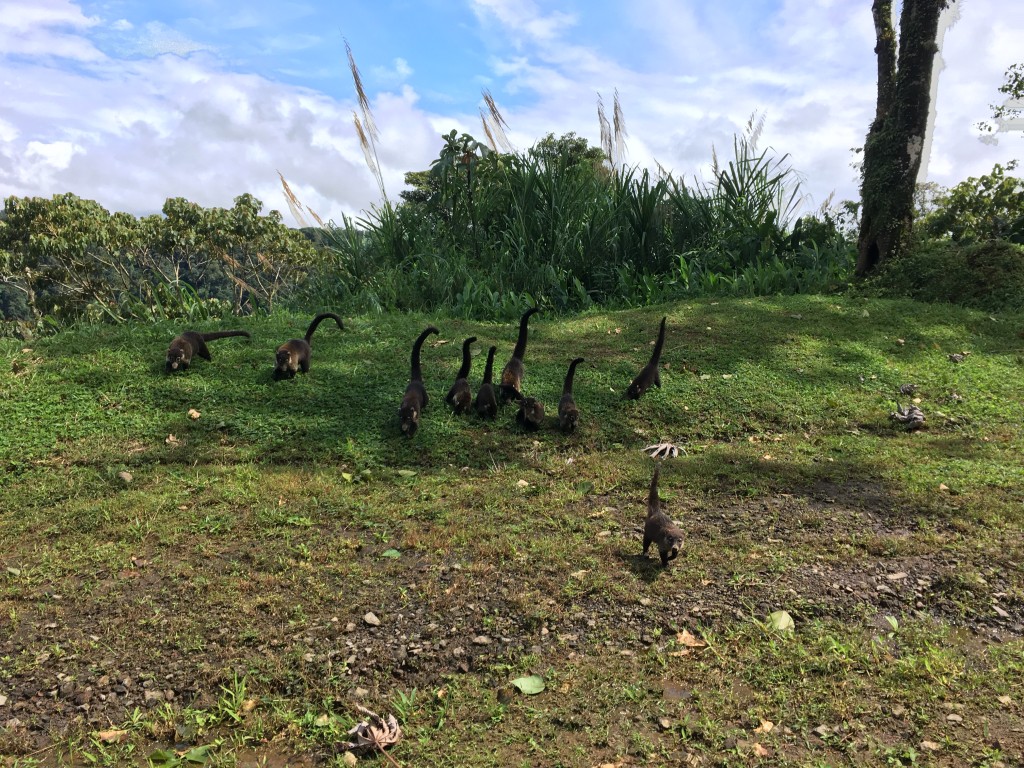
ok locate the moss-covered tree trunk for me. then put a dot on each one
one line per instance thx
(896, 140)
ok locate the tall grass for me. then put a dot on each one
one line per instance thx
(571, 234)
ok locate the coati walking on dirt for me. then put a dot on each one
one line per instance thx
(486, 403)
(659, 529)
(189, 343)
(293, 356)
(568, 413)
(460, 397)
(511, 386)
(415, 400)
(649, 375)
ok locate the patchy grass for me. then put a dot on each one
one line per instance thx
(213, 603)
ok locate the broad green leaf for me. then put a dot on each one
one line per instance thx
(530, 685)
(781, 621)
(406, 473)
(347, 477)
(392, 553)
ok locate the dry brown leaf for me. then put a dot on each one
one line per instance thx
(112, 737)
(193, 414)
(765, 727)
(171, 440)
(686, 639)
(760, 750)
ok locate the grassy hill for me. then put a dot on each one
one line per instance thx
(191, 558)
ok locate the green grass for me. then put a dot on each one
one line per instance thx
(229, 567)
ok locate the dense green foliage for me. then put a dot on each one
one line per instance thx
(67, 258)
(486, 234)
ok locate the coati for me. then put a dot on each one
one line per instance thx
(511, 386)
(658, 528)
(531, 413)
(415, 400)
(293, 356)
(486, 403)
(459, 397)
(568, 413)
(189, 343)
(649, 374)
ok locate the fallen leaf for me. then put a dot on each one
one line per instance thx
(193, 414)
(171, 440)
(392, 553)
(931, 746)
(685, 638)
(521, 484)
(760, 750)
(530, 685)
(765, 727)
(781, 621)
(407, 473)
(1004, 700)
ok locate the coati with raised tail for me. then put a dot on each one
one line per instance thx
(511, 386)
(531, 413)
(415, 400)
(486, 403)
(293, 356)
(568, 413)
(190, 343)
(460, 397)
(659, 528)
(649, 375)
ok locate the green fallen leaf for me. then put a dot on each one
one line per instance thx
(14, 571)
(530, 685)
(406, 473)
(585, 487)
(781, 621)
(347, 477)
(197, 755)
(393, 553)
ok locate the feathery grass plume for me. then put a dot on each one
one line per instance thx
(487, 132)
(606, 132)
(293, 202)
(620, 132)
(753, 130)
(369, 153)
(498, 124)
(367, 128)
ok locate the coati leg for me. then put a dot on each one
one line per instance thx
(511, 385)
(649, 375)
(415, 400)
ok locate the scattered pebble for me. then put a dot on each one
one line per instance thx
(371, 619)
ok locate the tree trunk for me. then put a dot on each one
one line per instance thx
(896, 140)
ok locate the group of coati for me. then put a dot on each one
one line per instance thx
(294, 355)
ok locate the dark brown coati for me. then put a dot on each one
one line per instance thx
(649, 375)
(460, 397)
(511, 386)
(568, 413)
(659, 529)
(486, 403)
(415, 400)
(293, 356)
(531, 413)
(189, 343)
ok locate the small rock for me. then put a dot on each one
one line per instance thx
(349, 759)
(822, 731)
(1001, 613)
(360, 693)
(898, 710)
(664, 723)
(350, 627)
(371, 619)
(3, 699)
(954, 718)
(152, 698)
(896, 576)
(931, 746)
(481, 640)
(125, 477)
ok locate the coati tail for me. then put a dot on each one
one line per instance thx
(319, 319)
(467, 360)
(489, 368)
(656, 354)
(520, 348)
(224, 335)
(570, 375)
(417, 374)
(653, 502)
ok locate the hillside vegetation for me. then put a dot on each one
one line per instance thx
(190, 561)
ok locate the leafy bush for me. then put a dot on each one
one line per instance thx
(988, 275)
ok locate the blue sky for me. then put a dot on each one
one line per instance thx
(130, 102)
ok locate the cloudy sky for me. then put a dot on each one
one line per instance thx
(129, 102)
